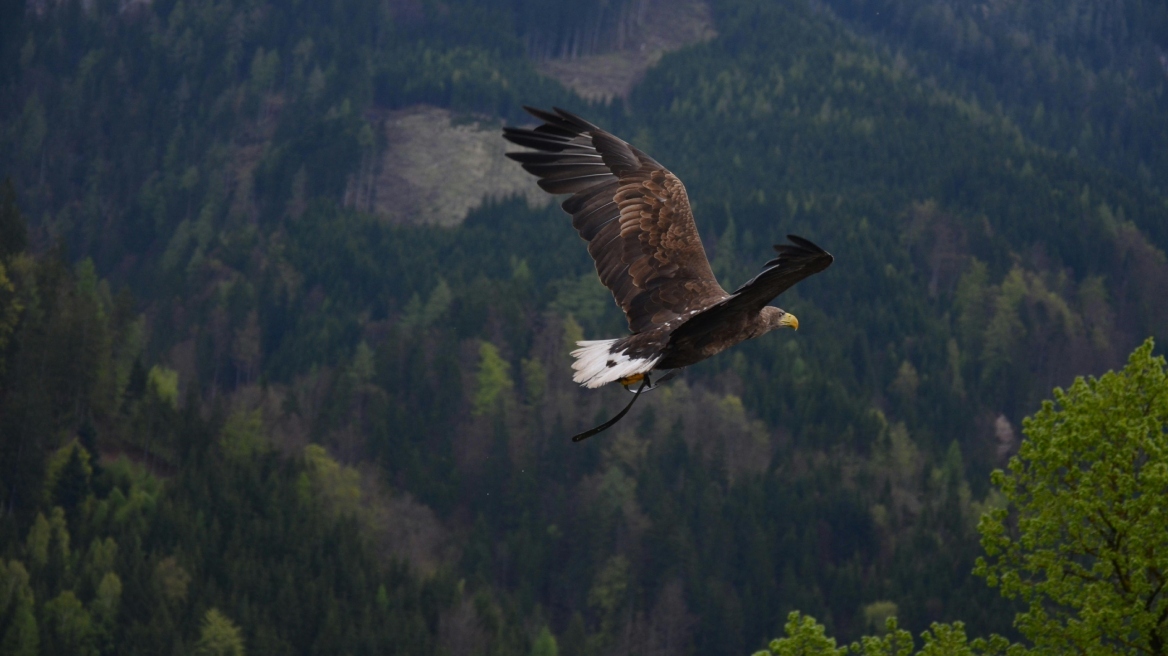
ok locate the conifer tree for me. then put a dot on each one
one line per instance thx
(13, 232)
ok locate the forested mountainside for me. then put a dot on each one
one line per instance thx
(1083, 77)
(235, 410)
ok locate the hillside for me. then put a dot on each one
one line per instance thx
(287, 339)
(435, 169)
(650, 29)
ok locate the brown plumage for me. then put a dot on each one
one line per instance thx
(635, 216)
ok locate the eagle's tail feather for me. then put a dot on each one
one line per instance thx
(603, 361)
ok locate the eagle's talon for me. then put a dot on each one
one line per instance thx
(631, 380)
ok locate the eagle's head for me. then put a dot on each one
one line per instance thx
(775, 318)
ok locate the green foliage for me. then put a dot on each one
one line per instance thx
(587, 301)
(544, 644)
(10, 309)
(163, 383)
(243, 434)
(99, 561)
(1082, 541)
(48, 540)
(200, 157)
(493, 381)
(17, 604)
(36, 546)
(892, 641)
(419, 316)
(950, 639)
(332, 484)
(804, 637)
(609, 592)
(171, 581)
(535, 380)
(70, 628)
(877, 614)
(1088, 553)
(21, 637)
(219, 636)
(807, 637)
(981, 55)
(95, 537)
(67, 475)
(13, 585)
(107, 599)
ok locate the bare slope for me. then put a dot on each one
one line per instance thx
(436, 169)
(658, 27)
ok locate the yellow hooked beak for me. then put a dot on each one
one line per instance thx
(790, 321)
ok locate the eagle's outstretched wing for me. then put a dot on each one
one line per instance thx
(797, 260)
(634, 214)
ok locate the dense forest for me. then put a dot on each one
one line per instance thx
(236, 414)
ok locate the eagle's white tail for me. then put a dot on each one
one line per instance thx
(596, 364)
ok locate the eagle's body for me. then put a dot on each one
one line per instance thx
(636, 217)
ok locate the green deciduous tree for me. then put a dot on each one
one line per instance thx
(220, 636)
(164, 383)
(105, 603)
(1082, 539)
(243, 434)
(71, 628)
(48, 539)
(804, 637)
(544, 644)
(99, 560)
(494, 381)
(1088, 552)
(807, 637)
(20, 637)
(171, 581)
(336, 486)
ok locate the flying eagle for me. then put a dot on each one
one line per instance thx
(636, 218)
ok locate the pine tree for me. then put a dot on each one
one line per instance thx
(13, 231)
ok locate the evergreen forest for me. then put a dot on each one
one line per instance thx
(241, 412)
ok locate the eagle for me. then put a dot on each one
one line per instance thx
(636, 218)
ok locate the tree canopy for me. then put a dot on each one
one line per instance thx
(1083, 541)
(1081, 538)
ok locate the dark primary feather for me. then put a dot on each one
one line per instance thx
(634, 214)
(796, 261)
